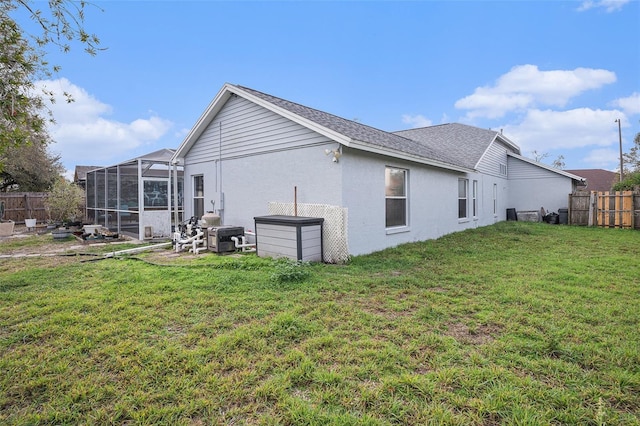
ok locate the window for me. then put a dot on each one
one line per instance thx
(495, 198)
(474, 195)
(395, 181)
(198, 196)
(463, 190)
(503, 169)
(156, 193)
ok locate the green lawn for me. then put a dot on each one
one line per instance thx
(516, 323)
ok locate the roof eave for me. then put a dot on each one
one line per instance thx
(203, 121)
(325, 131)
(364, 146)
(223, 95)
(546, 167)
(498, 137)
(508, 142)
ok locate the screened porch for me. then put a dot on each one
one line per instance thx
(135, 197)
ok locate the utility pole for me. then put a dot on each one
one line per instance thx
(620, 138)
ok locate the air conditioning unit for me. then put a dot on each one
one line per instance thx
(219, 238)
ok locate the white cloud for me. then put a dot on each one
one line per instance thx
(630, 105)
(602, 158)
(547, 130)
(416, 121)
(525, 86)
(83, 133)
(608, 5)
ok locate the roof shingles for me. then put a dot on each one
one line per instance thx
(367, 134)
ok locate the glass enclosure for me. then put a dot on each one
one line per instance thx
(136, 197)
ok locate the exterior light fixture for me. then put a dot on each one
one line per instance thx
(337, 153)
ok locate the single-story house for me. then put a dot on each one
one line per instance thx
(250, 153)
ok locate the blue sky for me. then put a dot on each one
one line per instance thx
(554, 75)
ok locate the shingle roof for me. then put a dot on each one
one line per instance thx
(453, 146)
(363, 133)
(597, 179)
(466, 143)
(81, 172)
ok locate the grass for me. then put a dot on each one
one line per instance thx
(516, 323)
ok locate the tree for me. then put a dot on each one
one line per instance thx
(558, 163)
(631, 159)
(65, 201)
(21, 121)
(539, 156)
(631, 162)
(29, 168)
(23, 115)
(630, 182)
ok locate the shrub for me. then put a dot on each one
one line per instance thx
(287, 270)
(64, 202)
(629, 183)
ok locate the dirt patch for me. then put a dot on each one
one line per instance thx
(28, 248)
(474, 335)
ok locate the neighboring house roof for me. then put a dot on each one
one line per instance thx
(466, 143)
(347, 132)
(81, 172)
(547, 167)
(597, 179)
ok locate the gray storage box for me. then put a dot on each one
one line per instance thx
(294, 237)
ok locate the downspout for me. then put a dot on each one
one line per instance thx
(220, 194)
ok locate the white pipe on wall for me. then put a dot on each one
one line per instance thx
(246, 247)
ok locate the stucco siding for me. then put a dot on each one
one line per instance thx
(249, 184)
(242, 128)
(432, 202)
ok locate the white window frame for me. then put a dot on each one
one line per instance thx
(404, 196)
(474, 199)
(463, 198)
(195, 195)
(495, 199)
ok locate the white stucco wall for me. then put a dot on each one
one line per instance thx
(532, 194)
(433, 202)
(356, 182)
(250, 183)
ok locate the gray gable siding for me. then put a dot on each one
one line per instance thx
(358, 132)
(522, 170)
(495, 155)
(242, 128)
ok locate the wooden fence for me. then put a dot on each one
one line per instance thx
(19, 206)
(605, 209)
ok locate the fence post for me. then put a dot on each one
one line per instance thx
(592, 205)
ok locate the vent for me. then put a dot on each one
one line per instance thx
(148, 232)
